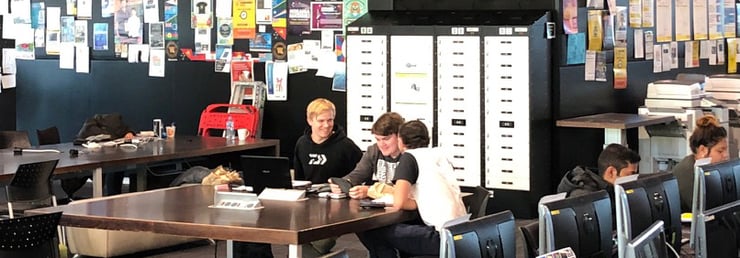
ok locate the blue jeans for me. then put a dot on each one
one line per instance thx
(407, 239)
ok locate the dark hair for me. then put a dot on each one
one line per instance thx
(387, 124)
(414, 134)
(708, 132)
(617, 156)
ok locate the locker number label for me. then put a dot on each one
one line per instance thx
(458, 31)
(366, 30)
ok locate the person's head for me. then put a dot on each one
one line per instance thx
(412, 135)
(570, 16)
(385, 131)
(133, 11)
(617, 161)
(709, 140)
(320, 115)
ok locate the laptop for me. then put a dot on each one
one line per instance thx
(265, 171)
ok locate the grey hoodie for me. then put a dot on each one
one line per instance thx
(373, 167)
(580, 181)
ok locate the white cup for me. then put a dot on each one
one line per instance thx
(242, 133)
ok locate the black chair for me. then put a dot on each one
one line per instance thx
(342, 253)
(30, 236)
(31, 187)
(12, 139)
(48, 136)
(488, 236)
(531, 236)
(477, 203)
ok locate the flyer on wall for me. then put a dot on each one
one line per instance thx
(326, 15)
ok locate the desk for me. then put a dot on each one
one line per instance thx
(184, 211)
(179, 147)
(615, 125)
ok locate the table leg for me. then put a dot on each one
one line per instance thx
(140, 178)
(612, 135)
(229, 248)
(97, 182)
(295, 251)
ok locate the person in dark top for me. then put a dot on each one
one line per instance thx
(100, 124)
(614, 161)
(324, 150)
(379, 162)
(709, 140)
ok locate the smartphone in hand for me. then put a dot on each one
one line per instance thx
(343, 184)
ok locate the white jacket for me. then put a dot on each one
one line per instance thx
(436, 192)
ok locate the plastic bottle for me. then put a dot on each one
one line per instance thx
(230, 128)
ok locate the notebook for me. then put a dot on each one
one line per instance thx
(266, 171)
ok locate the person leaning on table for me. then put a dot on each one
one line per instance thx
(709, 140)
(379, 162)
(422, 182)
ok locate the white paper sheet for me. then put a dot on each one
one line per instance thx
(156, 63)
(82, 59)
(720, 43)
(664, 20)
(666, 56)
(151, 11)
(649, 43)
(9, 61)
(635, 12)
(53, 15)
(639, 44)
(699, 19)
(590, 66)
(683, 22)
(688, 52)
(223, 8)
(712, 52)
(648, 20)
(729, 19)
(327, 60)
(21, 11)
(714, 17)
(81, 30)
(8, 81)
(704, 49)
(657, 60)
(674, 54)
(327, 39)
(279, 81)
(66, 56)
(84, 9)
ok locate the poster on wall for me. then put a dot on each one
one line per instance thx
(326, 16)
(128, 24)
(170, 20)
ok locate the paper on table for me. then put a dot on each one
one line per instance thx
(282, 194)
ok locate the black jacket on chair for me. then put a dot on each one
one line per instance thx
(110, 124)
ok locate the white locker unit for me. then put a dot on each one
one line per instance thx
(507, 112)
(412, 78)
(481, 82)
(366, 85)
(458, 104)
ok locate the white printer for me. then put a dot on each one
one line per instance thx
(662, 146)
(726, 88)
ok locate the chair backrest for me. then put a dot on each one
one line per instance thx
(48, 136)
(31, 182)
(30, 236)
(215, 116)
(11, 139)
(531, 236)
(491, 236)
(478, 202)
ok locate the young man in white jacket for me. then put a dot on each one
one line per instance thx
(422, 182)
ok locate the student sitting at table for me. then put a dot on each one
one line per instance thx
(709, 140)
(379, 162)
(423, 182)
(108, 124)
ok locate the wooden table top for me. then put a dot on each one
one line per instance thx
(184, 211)
(614, 121)
(182, 146)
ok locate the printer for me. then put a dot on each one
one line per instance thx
(726, 88)
(662, 146)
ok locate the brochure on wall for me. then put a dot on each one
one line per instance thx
(648, 20)
(326, 15)
(699, 19)
(151, 11)
(201, 14)
(691, 54)
(100, 36)
(84, 9)
(67, 56)
(156, 63)
(657, 59)
(279, 15)
(354, 9)
(156, 35)
(664, 20)
(24, 42)
(223, 59)
(107, 8)
(243, 19)
(576, 48)
(8, 61)
(8, 81)
(21, 11)
(68, 29)
(665, 50)
(714, 15)
(242, 71)
(639, 44)
(82, 59)
(683, 22)
(81, 32)
(296, 58)
(276, 78)
(299, 17)
(170, 20)
(635, 13)
(264, 12)
(339, 83)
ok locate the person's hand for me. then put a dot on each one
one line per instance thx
(358, 192)
(334, 187)
(128, 136)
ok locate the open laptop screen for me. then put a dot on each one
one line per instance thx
(266, 171)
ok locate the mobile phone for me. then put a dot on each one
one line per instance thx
(343, 184)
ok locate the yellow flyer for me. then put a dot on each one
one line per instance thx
(595, 30)
(244, 22)
(731, 52)
(620, 68)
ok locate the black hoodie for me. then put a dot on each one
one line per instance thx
(335, 157)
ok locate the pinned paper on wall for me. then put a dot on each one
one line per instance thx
(576, 48)
(82, 59)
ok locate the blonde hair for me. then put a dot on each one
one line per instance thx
(318, 106)
(708, 132)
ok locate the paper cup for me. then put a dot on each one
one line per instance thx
(242, 133)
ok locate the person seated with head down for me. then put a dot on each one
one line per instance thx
(423, 182)
(614, 161)
(113, 126)
(709, 140)
(379, 162)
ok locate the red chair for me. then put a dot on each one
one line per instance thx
(215, 116)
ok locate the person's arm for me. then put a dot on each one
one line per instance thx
(363, 171)
(401, 196)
